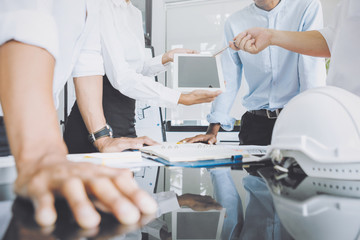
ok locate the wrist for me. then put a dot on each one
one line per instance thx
(103, 132)
(213, 129)
(101, 143)
(184, 99)
(272, 36)
(165, 59)
(32, 163)
(182, 200)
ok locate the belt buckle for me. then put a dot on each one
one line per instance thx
(268, 114)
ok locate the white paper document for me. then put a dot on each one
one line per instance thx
(187, 152)
(131, 159)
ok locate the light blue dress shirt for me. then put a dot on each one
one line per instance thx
(275, 75)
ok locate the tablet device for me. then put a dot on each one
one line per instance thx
(197, 71)
(188, 224)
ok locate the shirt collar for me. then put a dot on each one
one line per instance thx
(272, 12)
(120, 3)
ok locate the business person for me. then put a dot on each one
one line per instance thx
(39, 50)
(129, 77)
(274, 76)
(339, 41)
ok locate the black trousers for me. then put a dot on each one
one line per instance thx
(119, 112)
(4, 145)
(255, 130)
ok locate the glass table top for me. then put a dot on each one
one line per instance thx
(220, 203)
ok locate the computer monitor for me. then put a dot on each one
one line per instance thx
(197, 71)
(192, 225)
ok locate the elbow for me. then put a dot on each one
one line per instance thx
(328, 54)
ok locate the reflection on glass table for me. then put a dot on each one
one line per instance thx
(23, 225)
(17, 218)
(296, 206)
(260, 220)
(198, 217)
(190, 224)
(315, 208)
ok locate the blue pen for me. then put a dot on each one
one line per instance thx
(236, 157)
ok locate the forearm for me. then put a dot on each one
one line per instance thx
(213, 128)
(89, 93)
(26, 80)
(310, 43)
(153, 66)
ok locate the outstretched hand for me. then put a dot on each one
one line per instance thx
(253, 40)
(198, 96)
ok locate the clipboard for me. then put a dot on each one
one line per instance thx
(211, 163)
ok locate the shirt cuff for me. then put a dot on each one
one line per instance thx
(328, 34)
(167, 202)
(227, 123)
(35, 28)
(157, 65)
(169, 98)
(173, 98)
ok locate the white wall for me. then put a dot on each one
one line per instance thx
(198, 24)
(329, 8)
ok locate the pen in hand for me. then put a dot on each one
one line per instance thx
(222, 50)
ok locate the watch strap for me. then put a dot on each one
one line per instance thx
(103, 132)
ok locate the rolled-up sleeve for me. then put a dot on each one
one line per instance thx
(328, 33)
(29, 26)
(90, 61)
(312, 71)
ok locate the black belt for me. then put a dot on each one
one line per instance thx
(266, 113)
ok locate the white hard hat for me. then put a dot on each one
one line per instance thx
(320, 129)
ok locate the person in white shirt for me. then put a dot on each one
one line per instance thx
(39, 50)
(129, 77)
(340, 41)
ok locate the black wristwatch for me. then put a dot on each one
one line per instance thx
(104, 132)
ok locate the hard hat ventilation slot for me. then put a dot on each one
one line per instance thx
(336, 186)
(350, 171)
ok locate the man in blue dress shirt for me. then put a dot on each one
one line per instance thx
(274, 76)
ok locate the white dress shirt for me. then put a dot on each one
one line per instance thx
(126, 66)
(275, 75)
(67, 29)
(343, 40)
